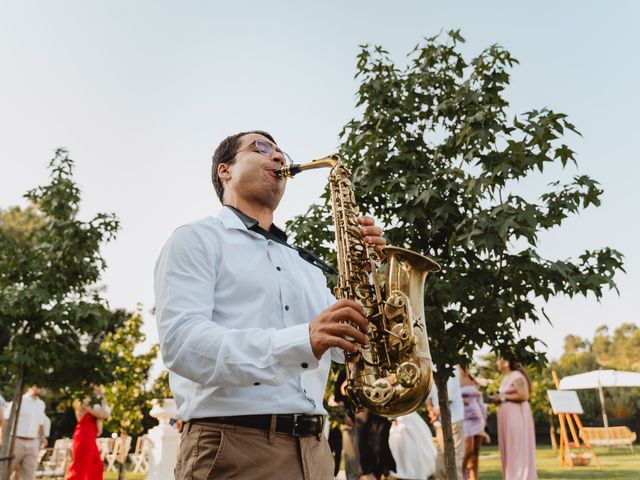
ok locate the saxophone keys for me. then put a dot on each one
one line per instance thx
(380, 393)
(407, 374)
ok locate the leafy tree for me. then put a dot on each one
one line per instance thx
(621, 351)
(436, 156)
(161, 388)
(577, 357)
(51, 313)
(17, 224)
(128, 396)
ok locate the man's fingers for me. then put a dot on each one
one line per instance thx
(375, 240)
(351, 316)
(371, 230)
(345, 302)
(344, 344)
(345, 330)
(365, 220)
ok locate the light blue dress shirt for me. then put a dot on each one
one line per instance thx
(233, 311)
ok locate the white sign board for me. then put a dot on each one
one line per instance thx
(565, 401)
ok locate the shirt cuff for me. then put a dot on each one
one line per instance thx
(292, 349)
(337, 355)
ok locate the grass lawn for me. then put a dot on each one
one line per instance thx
(127, 476)
(617, 465)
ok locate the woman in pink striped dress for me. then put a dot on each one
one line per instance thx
(516, 436)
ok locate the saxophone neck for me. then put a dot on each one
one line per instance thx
(329, 161)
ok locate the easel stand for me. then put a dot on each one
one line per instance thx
(569, 421)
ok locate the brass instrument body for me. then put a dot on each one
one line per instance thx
(392, 375)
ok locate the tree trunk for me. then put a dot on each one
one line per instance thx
(9, 435)
(122, 456)
(447, 432)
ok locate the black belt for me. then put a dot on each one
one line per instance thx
(297, 425)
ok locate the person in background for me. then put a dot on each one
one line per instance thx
(46, 427)
(376, 459)
(412, 447)
(475, 421)
(349, 445)
(90, 413)
(29, 437)
(3, 418)
(516, 435)
(457, 423)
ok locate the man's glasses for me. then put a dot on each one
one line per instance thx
(267, 149)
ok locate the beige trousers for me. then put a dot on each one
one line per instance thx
(220, 452)
(458, 443)
(26, 458)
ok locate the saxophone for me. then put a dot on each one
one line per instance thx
(392, 375)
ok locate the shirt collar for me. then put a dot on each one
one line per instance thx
(250, 223)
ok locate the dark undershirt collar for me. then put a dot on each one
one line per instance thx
(252, 224)
(277, 235)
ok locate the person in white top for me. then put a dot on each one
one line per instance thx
(456, 406)
(3, 418)
(412, 447)
(247, 328)
(30, 435)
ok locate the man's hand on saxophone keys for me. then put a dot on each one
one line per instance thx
(344, 324)
(341, 325)
(372, 235)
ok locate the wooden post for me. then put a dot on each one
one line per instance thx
(552, 431)
(565, 452)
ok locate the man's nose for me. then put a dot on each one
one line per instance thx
(279, 157)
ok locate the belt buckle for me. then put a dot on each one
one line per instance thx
(298, 425)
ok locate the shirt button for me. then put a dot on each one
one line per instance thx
(286, 307)
(304, 364)
(278, 268)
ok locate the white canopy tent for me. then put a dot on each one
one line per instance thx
(600, 379)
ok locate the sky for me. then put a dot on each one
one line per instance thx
(141, 93)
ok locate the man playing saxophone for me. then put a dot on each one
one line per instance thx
(248, 328)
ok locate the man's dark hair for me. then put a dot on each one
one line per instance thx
(226, 153)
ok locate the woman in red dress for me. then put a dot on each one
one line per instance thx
(87, 464)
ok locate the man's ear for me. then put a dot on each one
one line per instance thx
(224, 172)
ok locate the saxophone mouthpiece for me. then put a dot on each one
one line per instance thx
(288, 170)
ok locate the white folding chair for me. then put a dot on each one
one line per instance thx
(119, 453)
(140, 458)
